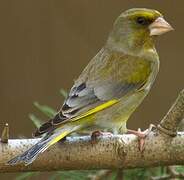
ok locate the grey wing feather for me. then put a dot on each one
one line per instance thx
(110, 91)
(78, 99)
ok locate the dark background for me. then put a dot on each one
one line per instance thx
(45, 44)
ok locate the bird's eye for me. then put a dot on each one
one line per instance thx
(142, 21)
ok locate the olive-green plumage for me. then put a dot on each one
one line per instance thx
(111, 86)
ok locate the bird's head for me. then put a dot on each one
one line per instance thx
(136, 28)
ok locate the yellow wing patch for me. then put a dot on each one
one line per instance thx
(96, 109)
(56, 139)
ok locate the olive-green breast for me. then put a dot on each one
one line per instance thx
(126, 68)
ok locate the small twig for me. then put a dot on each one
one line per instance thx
(164, 177)
(5, 134)
(100, 175)
(172, 173)
(172, 119)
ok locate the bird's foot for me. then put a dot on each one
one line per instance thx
(96, 134)
(141, 135)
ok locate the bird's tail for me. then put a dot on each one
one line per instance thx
(31, 154)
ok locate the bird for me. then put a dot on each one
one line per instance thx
(111, 86)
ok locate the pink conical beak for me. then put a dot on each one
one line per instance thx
(159, 26)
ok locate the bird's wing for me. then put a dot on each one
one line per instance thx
(96, 89)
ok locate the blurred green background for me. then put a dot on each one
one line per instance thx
(45, 44)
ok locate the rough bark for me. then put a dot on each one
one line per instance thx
(163, 146)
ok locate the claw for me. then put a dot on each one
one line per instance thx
(96, 134)
(142, 136)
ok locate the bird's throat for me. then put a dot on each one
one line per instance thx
(131, 44)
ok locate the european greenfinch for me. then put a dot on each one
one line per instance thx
(112, 85)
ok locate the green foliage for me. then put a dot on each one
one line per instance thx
(69, 175)
(143, 173)
(46, 110)
(132, 174)
(26, 176)
(64, 93)
(36, 121)
(180, 169)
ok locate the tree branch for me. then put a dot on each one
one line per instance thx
(120, 151)
(172, 119)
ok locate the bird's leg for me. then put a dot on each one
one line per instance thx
(98, 133)
(141, 135)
